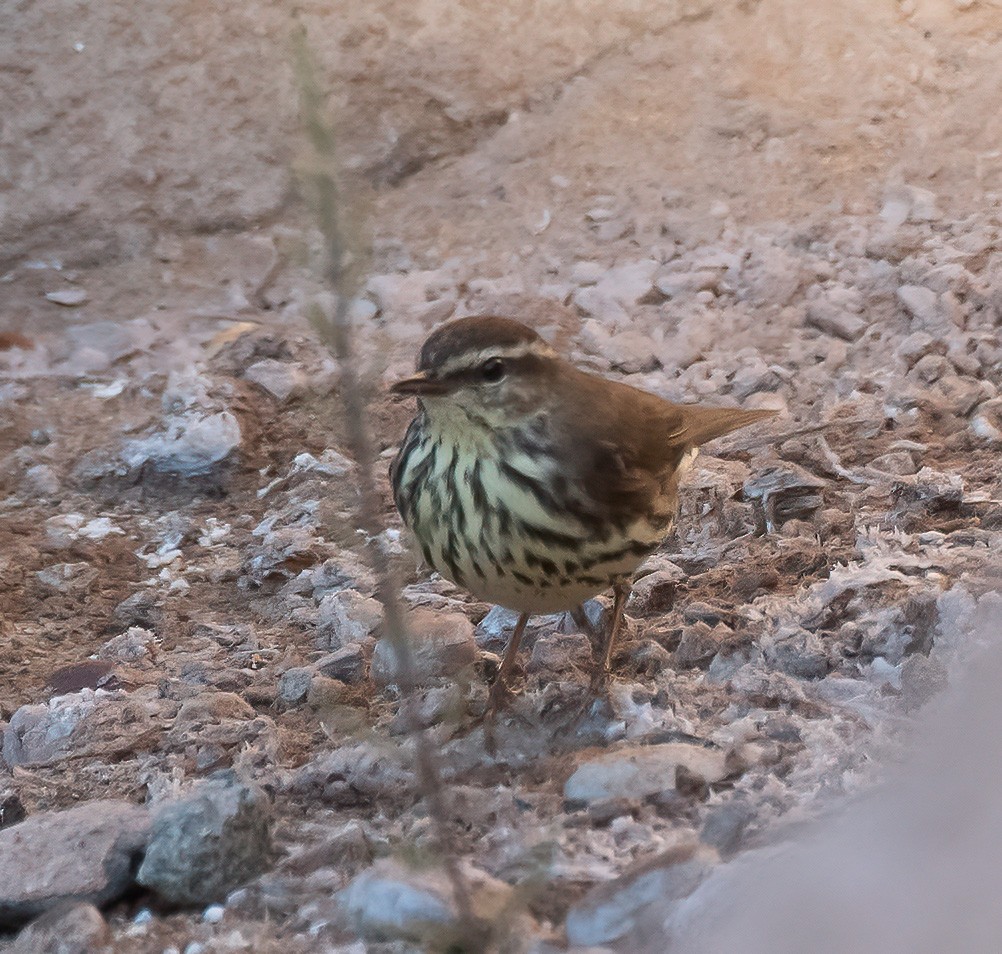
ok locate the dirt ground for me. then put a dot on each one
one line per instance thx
(766, 203)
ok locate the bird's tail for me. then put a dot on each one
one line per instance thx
(703, 424)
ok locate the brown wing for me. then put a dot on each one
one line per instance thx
(623, 443)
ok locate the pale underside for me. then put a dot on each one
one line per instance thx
(483, 520)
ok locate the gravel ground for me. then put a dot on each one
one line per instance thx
(809, 222)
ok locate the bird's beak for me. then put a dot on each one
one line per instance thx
(420, 385)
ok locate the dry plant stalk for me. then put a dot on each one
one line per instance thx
(342, 272)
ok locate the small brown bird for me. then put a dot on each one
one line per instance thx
(536, 485)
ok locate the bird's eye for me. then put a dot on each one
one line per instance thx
(492, 370)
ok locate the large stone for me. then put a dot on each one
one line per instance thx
(637, 771)
(73, 927)
(212, 840)
(442, 644)
(346, 617)
(390, 902)
(87, 853)
(616, 908)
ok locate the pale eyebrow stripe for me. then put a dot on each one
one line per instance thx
(511, 353)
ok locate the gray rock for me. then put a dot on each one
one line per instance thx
(67, 577)
(700, 643)
(11, 809)
(655, 592)
(726, 824)
(921, 303)
(41, 734)
(212, 840)
(346, 617)
(87, 853)
(347, 664)
(617, 908)
(190, 445)
(442, 645)
(279, 378)
(784, 492)
(900, 463)
(140, 609)
(354, 775)
(833, 320)
(134, 644)
(294, 685)
(390, 902)
(917, 345)
(41, 480)
(986, 421)
(73, 927)
(68, 297)
(930, 368)
(802, 655)
(636, 771)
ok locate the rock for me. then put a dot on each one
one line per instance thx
(354, 775)
(279, 378)
(700, 643)
(961, 395)
(442, 644)
(72, 927)
(42, 734)
(921, 303)
(87, 853)
(833, 320)
(628, 351)
(801, 654)
(676, 284)
(134, 644)
(294, 685)
(615, 909)
(587, 273)
(899, 463)
(637, 771)
(68, 297)
(560, 652)
(346, 617)
(430, 707)
(784, 492)
(325, 693)
(617, 291)
(67, 577)
(906, 203)
(190, 445)
(986, 421)
(11, 809)
(930, 368)
(215, 838)
(390, 902)
(347, 664)
(726, 824)
(213, 707)
(41, 481)
(917, 345)
(140, 609)
(655, 592)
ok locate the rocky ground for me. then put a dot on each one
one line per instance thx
(202, 741)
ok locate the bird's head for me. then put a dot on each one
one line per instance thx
(484, 370)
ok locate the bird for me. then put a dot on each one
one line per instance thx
(534, 484)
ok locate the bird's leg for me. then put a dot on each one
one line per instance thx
(501, 690)
(621, 592)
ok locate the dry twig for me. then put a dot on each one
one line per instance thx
(342, 274)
